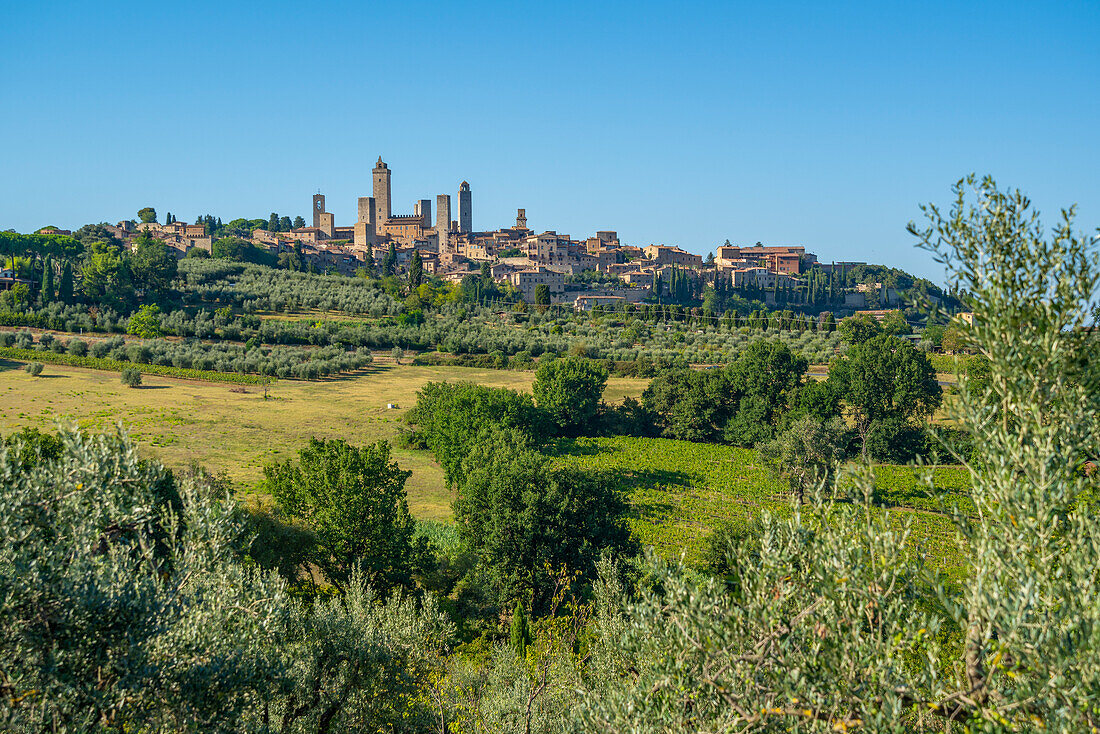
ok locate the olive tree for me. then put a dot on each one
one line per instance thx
(828, 624)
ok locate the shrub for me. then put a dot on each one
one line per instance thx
(131, 377)
(34, 368)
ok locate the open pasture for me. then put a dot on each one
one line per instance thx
(235, 431)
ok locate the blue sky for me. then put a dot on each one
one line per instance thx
(688, 123)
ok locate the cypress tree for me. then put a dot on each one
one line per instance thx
(416, 271)
(65, 292)
(389, 261)
(47, 280)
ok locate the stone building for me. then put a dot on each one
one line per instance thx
(664, 255)
(465, 208)
(526, 281)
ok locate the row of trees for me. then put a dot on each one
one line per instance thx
(888, 387)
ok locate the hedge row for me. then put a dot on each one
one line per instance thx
(116, 365)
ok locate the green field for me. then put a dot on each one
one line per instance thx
(234, 430)
(679, 491)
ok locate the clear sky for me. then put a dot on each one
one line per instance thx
(818, 123)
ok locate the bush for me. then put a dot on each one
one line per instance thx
(34, 368)
(78, 347)
(131, 377)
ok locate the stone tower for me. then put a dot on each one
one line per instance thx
(521, 219)
(465, 214)
(366, 229)
(318, 208)
(382, 209)
(366, 209)
(423, 209)
(443, 220)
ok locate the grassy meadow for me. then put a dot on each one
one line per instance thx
(234, 430)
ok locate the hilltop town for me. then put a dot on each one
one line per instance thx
(582, 272)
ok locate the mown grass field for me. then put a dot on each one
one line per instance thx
(680, 491)
(183, 422)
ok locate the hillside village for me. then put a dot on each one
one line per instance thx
(597, 270)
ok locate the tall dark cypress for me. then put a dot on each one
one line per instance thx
(65, 292)
(47, 280)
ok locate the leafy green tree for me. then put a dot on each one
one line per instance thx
(886, 379)
(154, 267)
(273, 222)
(145, 322)
(895, 324)
(954, 339)
(16, 297)
(569, 390)
(353, 500)
(767, 375)
(299, 222)
(242, 250)
(690, 405)
(148, 215)
(818, 399)
(542, 294)
(107, 280)
(524, 518)
(858, 329)
(127, 607)
(31, 447)
(806, 454)
(130, 377)
(450, 417)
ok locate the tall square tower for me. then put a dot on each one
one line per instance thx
(423, 209)
(465, 211)
(382, 202)
(443, 220)
(318, 208)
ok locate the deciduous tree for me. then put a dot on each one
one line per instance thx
(353, 500)
(569, 390)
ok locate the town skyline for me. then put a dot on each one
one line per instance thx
(822, 126)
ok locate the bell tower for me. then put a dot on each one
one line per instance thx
(318, 208)
(381, 193)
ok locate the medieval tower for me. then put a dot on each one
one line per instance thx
(382, 201)
(443, 220)
(318, 208)
(465, 214)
